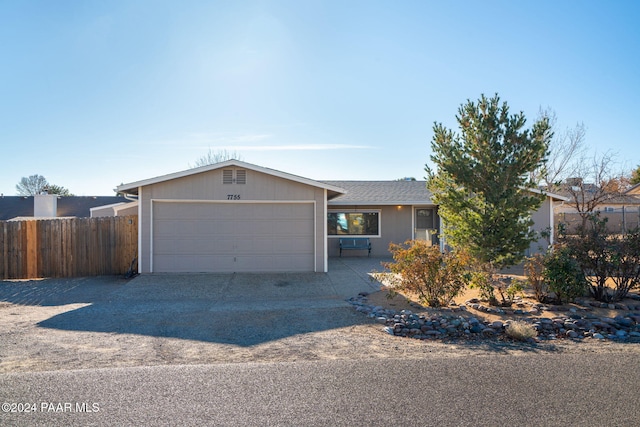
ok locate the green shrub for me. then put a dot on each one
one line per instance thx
(603, 255)
(482, 281)
(489, 283)
(434, 276)
(563, 274)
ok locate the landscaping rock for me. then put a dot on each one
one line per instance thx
(576, 324)
(488, 332)
(497, 325)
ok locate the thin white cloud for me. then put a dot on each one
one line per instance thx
(296, 147)
(221, 138)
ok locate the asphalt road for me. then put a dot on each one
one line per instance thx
(501, 390)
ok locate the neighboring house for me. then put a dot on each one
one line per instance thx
(622, 211)
(52, 206)
(633, 191)
(238, 217)
(127, 207)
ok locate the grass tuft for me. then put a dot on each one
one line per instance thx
(521, 331)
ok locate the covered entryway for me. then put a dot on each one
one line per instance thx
(238, 236)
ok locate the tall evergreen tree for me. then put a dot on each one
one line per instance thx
(481, 180)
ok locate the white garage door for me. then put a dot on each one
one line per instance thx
(232, 237)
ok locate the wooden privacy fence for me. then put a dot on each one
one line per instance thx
(67, 247)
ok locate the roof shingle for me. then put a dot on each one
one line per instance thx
(381, 193)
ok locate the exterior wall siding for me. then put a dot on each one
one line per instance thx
(542, 222)
(396, 224)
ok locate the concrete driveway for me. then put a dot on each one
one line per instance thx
(238, 309)
(223, 292)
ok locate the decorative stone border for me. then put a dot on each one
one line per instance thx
(449, 322)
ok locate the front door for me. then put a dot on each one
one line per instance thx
(425, 224)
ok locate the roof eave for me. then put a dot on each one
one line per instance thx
(379, 203)
(127, 188)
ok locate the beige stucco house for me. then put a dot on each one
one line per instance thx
(238, 217)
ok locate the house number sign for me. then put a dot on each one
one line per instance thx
(233, 197)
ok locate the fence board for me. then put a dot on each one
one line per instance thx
(67, 247)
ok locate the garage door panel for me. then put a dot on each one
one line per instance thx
(255, 245)
(292, 227)
(226, 237)
(296, 246)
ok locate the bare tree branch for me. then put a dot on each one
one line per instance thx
(217, 156)
(32, 185)
(565, 152)
(594, 183)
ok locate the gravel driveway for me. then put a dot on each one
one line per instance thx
(192, 319)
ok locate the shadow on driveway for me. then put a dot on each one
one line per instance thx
(238, 309)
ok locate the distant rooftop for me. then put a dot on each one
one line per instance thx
(68, 206)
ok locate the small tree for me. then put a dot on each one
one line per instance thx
(482, 180)
(563, 275)
(434, 276)
(594, 183)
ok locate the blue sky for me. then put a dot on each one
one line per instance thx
(97, 93)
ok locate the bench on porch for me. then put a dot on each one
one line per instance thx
(355, 243)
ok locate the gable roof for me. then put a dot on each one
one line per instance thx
(68, 206)
(132, 188)
(382, 193)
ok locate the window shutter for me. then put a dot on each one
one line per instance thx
(241, 176)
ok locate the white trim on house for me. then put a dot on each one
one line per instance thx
(552, 195)
(552, 224)
(140, 230)
(231, 202)
(113, 205)
(326, 230)
(385, 203)
(126, 188)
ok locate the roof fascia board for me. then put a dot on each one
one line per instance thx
(385, 203)
(628, 192)
(125, 206)
(113, 205)
(228, 163)
(546, 193)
